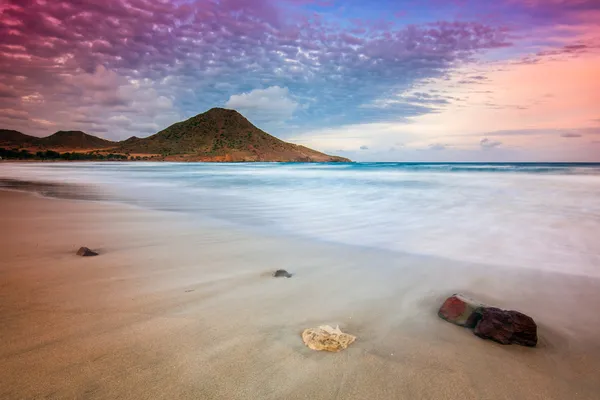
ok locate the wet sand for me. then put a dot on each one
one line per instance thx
(174, 308)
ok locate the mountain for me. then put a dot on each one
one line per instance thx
(75, 140)
(220, 135)
(71, 140)
(9, 138)
(216, 135)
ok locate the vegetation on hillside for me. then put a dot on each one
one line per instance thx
(59, 140)
(224, 135)
(75, 140)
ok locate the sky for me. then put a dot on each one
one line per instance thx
(378, 80)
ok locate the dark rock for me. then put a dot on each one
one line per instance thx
(504, 326)
(282, 273)
(85, 252)
(458, 309)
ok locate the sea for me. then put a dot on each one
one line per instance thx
(543, 216)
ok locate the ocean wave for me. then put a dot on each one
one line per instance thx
(544, 216)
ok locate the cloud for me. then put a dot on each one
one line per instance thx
(411, 103)
(100, 80)
(570, 135)
(43, 122)
(350, 137)
(469, 82)
(147, 127)
(9, 113)
(426, 98)
(7, 91)
(86, 120)
(363, 147)
(100, 101)
(473, 80)
(120, 120)
(572, 50)
(438, 146)
(521, 132)
(34, 98)
(487, 144)
(94, 54)
(271, 104)
(558, 11)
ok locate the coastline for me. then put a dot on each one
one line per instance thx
(178, 160)
(188, 311)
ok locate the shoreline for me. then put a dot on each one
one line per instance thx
(53, 190)
(189, 311)
(85, 192)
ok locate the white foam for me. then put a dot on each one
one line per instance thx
(547, 221)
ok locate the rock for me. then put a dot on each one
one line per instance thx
(458, 309)
(282, 273)
(502, 326)
(85, 252)
(505, 327)
(326, 338)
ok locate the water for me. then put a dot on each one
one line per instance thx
(541, 216)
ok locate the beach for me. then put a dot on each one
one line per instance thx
(174, 308)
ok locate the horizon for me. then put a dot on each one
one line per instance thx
(512, 81)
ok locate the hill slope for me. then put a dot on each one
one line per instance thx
(10, 138)
(74, 140)
(71, 140)
(220, 135)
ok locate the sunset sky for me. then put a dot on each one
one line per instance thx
(379, 80)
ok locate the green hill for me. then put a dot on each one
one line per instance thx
(220, 135)
(75, 140)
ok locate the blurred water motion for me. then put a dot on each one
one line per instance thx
(543, 216)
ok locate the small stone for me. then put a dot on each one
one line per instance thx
(327, 338)
(85, 252)
(458, 309)
(506, 327)
(282, 273)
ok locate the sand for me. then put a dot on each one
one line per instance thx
(175, 308)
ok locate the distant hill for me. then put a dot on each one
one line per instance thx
(15, 138)
(71, 140)
(220, 135)
(75, 140)
(216, 135)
